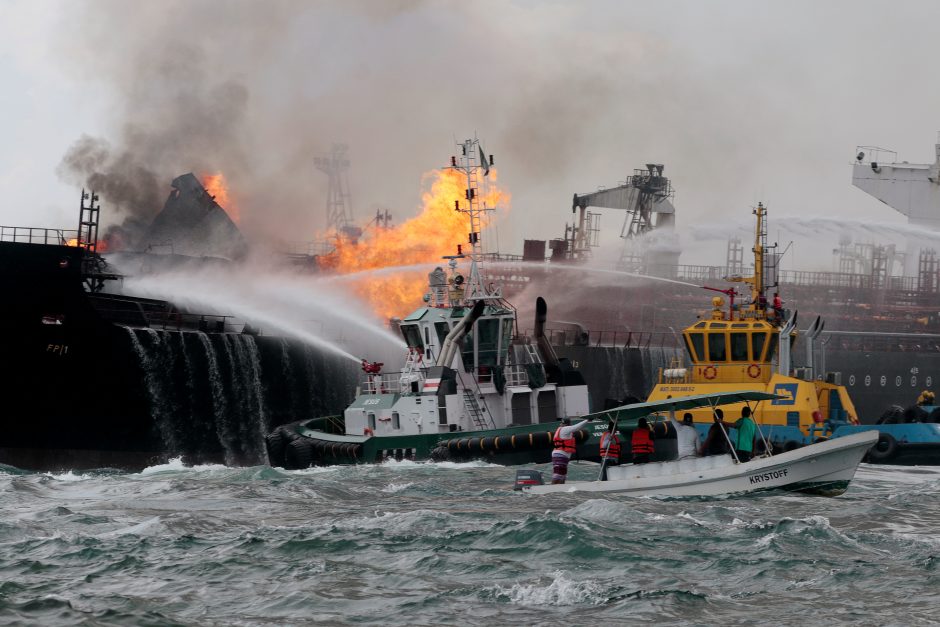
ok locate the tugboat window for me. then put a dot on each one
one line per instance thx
(772, 346)
(698, 343)
(739, 347)
(412, 335)
(507, 338)
(488, 341)
(757, 345)
(717, 347)
(372, 421)
(396, 420)
(442, 331)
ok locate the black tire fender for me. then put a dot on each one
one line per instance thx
(274, 443)
(299, 454)
(884, 449)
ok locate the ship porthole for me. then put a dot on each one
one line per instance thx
(851, 379)
(867, 380)
(929, 381)
(897, 381)
(884, 380)
(913, 382)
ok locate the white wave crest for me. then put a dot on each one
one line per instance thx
(176, 464)
(68, 475)
(561, 591)
(397, 487)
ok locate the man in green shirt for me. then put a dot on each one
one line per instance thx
(747, 429)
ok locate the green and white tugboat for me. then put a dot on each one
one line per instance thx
(470, 387)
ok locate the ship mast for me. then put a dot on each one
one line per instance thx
(473, 164)
(760, 237)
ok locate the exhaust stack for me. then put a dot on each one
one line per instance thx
(545, 347)
(449, 347)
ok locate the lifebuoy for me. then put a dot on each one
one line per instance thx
(368, 432)
(884, 449)
(753, 371)
(709, 372)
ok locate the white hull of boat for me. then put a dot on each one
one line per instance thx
(824, 468)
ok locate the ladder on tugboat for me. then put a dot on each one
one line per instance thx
(533, 353)
(472, 406)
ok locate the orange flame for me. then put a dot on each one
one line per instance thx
(424, 239)
(102, 246)
(217, 187)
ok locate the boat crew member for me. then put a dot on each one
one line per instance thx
(641, 442)
(565, 447)
(610, 449)
(778, 306)
(716, 441)
(747, 429)
(688, 443)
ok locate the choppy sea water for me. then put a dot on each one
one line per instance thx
(432, 544)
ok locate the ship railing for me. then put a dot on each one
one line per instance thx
(387, 383)
(738, 372)
(137, 313)
(612, 338)
(37, 235)
(516, 375)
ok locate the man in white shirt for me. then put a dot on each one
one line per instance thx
(565, 446)
(687, 438)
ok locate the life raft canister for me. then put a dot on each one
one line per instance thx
(567, 445)
(612, 452)
(640, 442)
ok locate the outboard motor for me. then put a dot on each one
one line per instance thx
(527, 477)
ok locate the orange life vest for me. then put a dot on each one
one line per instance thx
(640, 442)
(614, 451)
(568, 445)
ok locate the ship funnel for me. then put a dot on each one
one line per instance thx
(545, 347)
(449, 347)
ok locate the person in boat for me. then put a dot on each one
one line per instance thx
(610, 449)
(747, 430)
(688, 443)
(641, 442)
(565, 447)
(716, 441)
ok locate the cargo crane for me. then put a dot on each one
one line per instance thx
(646, 197)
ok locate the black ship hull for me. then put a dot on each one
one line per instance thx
(90, 381)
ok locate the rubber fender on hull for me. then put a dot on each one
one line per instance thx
(884, 449)
(274, 443)
(506, 443)
(335, 451)
(299, 454)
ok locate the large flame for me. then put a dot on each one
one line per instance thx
(436, 231)
(217, 187)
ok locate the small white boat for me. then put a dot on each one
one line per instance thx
(825, 468)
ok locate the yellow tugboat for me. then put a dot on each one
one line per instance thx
(746, 346)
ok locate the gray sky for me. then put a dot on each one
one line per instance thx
(742, 101)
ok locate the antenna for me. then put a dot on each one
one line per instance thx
(338, 207)
(474, 165)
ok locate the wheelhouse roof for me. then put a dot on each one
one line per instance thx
(679, 403)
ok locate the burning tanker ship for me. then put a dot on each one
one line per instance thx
(94, 378)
